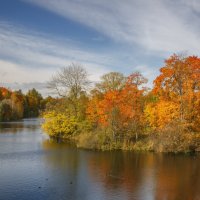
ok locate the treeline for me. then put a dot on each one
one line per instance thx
(15, 105)
(121, 113)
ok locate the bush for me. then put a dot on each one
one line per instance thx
(59, 125)
(173, 138)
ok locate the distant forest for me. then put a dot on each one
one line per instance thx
(15, 105)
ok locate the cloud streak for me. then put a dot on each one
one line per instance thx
(28, 56)
(139, 29)
(32, 57)
(155, 25)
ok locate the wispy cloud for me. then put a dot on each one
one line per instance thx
(155, 25)
(139, 29)
(32, 57)
(41, 49)
(28, 56)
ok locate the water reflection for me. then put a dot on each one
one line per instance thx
(178, 177)
(19, 126)
(128, 175)
(34, 167)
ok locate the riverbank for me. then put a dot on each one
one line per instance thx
(174, 138)
(185, 143)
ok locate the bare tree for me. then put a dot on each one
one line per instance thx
(69, 81)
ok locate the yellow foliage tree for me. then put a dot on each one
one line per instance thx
(162, 113)
(59, 125)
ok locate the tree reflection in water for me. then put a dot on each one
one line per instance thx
(125, 175)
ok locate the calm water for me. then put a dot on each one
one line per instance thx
(33, 167)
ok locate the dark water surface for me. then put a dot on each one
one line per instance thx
(33, 167)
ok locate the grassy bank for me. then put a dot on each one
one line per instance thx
(154, 142)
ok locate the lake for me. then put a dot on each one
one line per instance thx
(34, 167)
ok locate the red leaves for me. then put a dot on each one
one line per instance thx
(5, 92)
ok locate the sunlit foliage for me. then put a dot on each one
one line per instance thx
(119, 112)
(15, 105)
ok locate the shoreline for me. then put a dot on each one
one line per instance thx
(139, 146)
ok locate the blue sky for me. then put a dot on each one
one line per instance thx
(39, 36)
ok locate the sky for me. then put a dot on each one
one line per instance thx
(37, 37)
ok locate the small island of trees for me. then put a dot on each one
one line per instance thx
(119, 112)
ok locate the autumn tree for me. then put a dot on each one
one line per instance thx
(178, 85)
(5, 93)
(133, 105)
(111, 81)
(15, 105)
(120, 109)
(11, 104)
(161, 113)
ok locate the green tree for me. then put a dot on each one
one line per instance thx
(5, 110)
(32, 103)
(17, 103)
(111, 81)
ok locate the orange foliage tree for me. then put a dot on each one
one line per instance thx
(120, 110)
(4, 93)
(178, 91)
